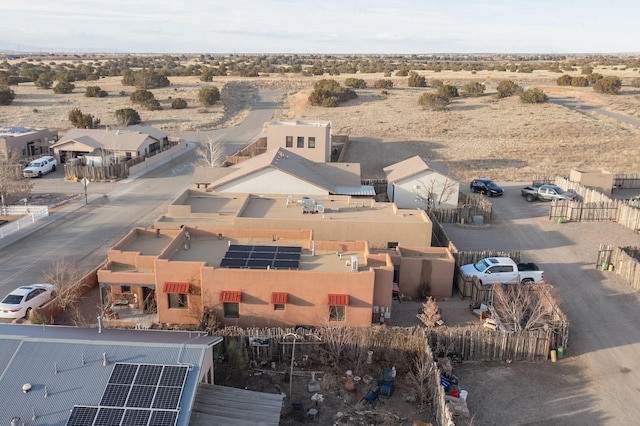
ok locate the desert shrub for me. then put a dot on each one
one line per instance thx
(356, 83)
(208, 73)
(594, 77)
(474, 89)
(448, 90)
(151, 105)
(564, 80)
(209, 95)
(329, 93)
(416, 80)
(6, 95)
(579, 82)
(610, 85)
(144, 79)
(635, 82)
(383, 84)
(127, 116)
(533, 96)
(178, 103)
(82, 121)
(434, 101)
(507, 88)
(436, 83)
(140, 96)
(402, 72)
(44, 81)
(95, 92)
(586, 70)
(63, 87)
(384, 92)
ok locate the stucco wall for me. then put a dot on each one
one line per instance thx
(432, 265)
(599, 179)
(277, 133)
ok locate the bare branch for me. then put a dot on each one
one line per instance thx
(12, 183)
(63, 275)
(212, 152)
(435, 192)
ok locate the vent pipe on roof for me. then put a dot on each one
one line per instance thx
(46, 392)
(100, 318)
(104, 359)
(82, 359)
(15, 421)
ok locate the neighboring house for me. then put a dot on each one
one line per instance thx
(27, 142)
(309, 139)
(131, 142)
(281, 171)
(413, 184)
(265, 278)
(59, 375)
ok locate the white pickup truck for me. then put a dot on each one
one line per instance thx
(39, 167)
(503, 270)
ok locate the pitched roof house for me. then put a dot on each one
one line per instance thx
(284, 172)
(411, 183)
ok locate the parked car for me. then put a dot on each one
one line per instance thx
(22, 300)
(503, 270)
(546, 193)
(41, 166)
(486, 187)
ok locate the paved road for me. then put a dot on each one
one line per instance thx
(82, 233)
(265, 104)
(597, 382)
(577, 104)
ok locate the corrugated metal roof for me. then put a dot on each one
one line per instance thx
(231, 296)
(220, 405)
(68, 362)
(175, 287)
(278, 298)
(364, 190)
(339, 299)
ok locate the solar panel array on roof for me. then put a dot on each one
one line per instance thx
(136, 394)
(262, 257)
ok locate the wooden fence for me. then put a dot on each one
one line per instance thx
(595, 206)
(627, 181)
(624, 261)
(469, 206)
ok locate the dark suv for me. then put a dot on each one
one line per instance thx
(486, 187)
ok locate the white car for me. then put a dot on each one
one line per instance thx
(22, 300)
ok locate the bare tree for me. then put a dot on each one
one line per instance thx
(524, 306)
(435, 192)
(212, 152)
(63, 275)
(12, 183)
(420, 377)
(429, 315)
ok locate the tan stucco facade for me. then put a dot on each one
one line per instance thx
(309, 139)
(601, 180)
(26, 142)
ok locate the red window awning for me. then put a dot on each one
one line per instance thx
(175, 287)
(230, 296)
(339, 299)
(279, 298)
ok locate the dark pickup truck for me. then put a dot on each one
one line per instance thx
(546, 193)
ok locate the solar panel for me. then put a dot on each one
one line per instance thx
(173, 375)
(290, 249)
(288, 256)
(141, 396)
(148, 374)
(136, 418)
(109, 416)
(262, 255)
(233, 263)
(167, 398)
(115, 395)
(267, 249)
(237, 254)
(163, 418)
(123, 373)
(82, 416)
(259, 263)
(286, 264)
(239, 247)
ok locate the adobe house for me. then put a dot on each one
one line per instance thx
(348, 218)
(411, 183)
(424, 269)
(245, 277)
(27, 142)
(309, 139)
(599, 179)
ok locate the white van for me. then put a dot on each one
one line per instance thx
(39, 167)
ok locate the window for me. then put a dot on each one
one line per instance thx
(177, 301)
(289, 142)
(392, 244)
(128, 155)
(231, 310)
(300, 142)
(125, 289)
(278, 306)
(336, 313)
(312, 142)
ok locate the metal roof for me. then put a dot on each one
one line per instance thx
(65, 366)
